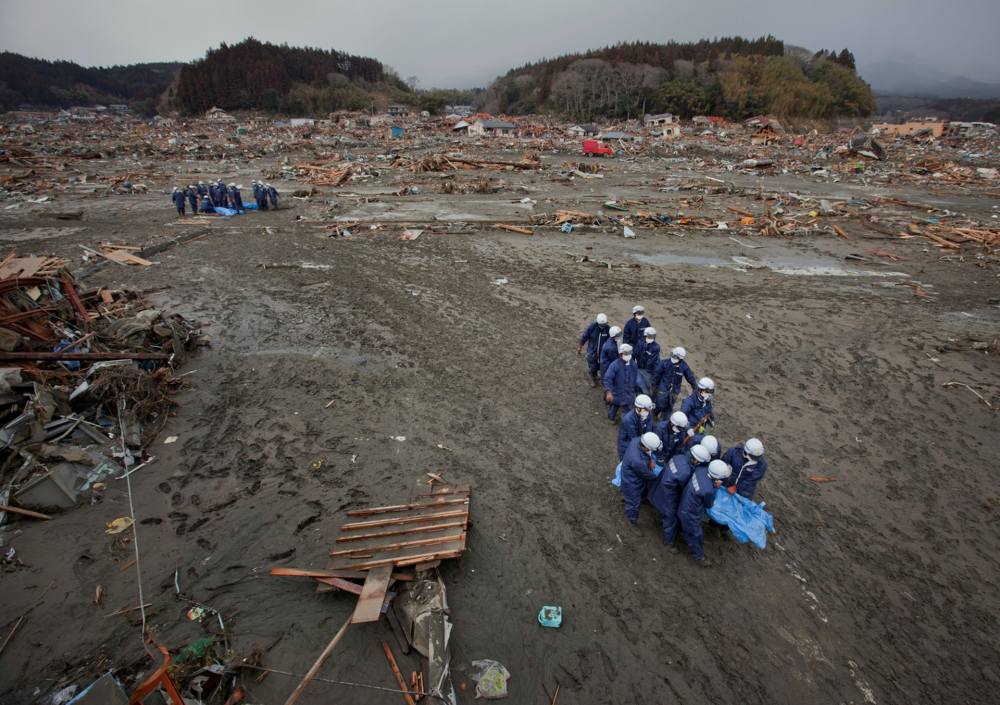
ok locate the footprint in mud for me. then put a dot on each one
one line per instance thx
(164, 487)
(609, 607)
(205, 544)
(195, 500)
(151, 521)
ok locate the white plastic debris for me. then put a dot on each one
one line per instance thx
(629, 232)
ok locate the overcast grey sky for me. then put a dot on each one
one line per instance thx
(462, 43)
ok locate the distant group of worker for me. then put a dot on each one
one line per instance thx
(671, 463)
(206, 198)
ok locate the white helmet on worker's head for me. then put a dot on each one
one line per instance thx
(754, 447)
(191, 186)
(232, 184)
(679, 419)
(643, 402)
(615, 331)
(601, 319)
(201, 183)
(700, 453)
(638, 309)
(711, 444)
(176, 189)
(651, 441)
(624, 349)
(719, 470)
(649, 332)
(706, 384)
(679, 353)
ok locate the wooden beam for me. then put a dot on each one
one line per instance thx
(369, 606)
(319, 662)
(406, 560)
(23, 512)
(400, 507)
(400, 532)
(416, 519)
(340, 583)
(399, 676)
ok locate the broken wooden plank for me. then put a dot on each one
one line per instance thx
(23, 512)
(402, 532)
(340, 583)
(397, 674)
(403, 561)
(416, 519)
(515, 229)
(369, 550)
(405, 507)
(319, 662)
(369, 605)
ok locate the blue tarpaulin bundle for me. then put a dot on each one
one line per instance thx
(747, 521)
(226, 211)
(617, 480)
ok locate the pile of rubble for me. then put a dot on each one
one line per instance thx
(86, 378)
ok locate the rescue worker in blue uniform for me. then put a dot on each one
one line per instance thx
(647, 356)
(667, 378)
(637, 470)
(177, 196)
(223, 194)
(609, 351)
(192, 196)
(272, 195)
(619, 383)
(749, 467)
(673, 433)
(235, 198)
(635, 423)
(202, 190)
(698, 496)
(206, 206)
(698, 404)
(665, 492)
(594, 337)
(634, 326)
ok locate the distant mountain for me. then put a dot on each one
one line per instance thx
(897, 78)
(63, 83)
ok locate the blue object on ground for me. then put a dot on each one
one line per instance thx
(249, 206)
(746, 519)
(617, 479)
(550, 616)
(226, 211)
(567, 227)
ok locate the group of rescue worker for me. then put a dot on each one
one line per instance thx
(205, 198)
(667, 458)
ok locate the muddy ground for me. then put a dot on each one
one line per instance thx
(881, 587)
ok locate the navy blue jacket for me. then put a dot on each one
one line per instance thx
(202, 190)
(272, 193)
(594, 336)
(665, 493)
(178, 198)
(620, 380)
(696, 409)
(637, 470)
(632, 426)
(747, 472)
(648, 356)
(670, 375)
(632, 330)
(698, 495)
(673, 443)
(192, 197)
(609, 353)
(206, 206)
(235, 198)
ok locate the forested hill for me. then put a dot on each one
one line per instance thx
(64, 83)
(731, 76)
(258, 75)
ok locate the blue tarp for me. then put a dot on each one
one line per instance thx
(249, 206)
(226, 211)
(617, 480)
(747, 521)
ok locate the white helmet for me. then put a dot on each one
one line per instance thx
(191, 186)
(602, 319)
(754, 447)
(650, 332)
(615, 331)
(232, 185)
(679, 353)
(638, 309)
(624, 349)
(706, 384)
(711, 444)
(679, 419)
(700, 453)
(651, 440)
(643, 402)
(175, 188)
(719, 470)
(201, 183)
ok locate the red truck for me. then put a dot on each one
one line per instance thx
(597, 148)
